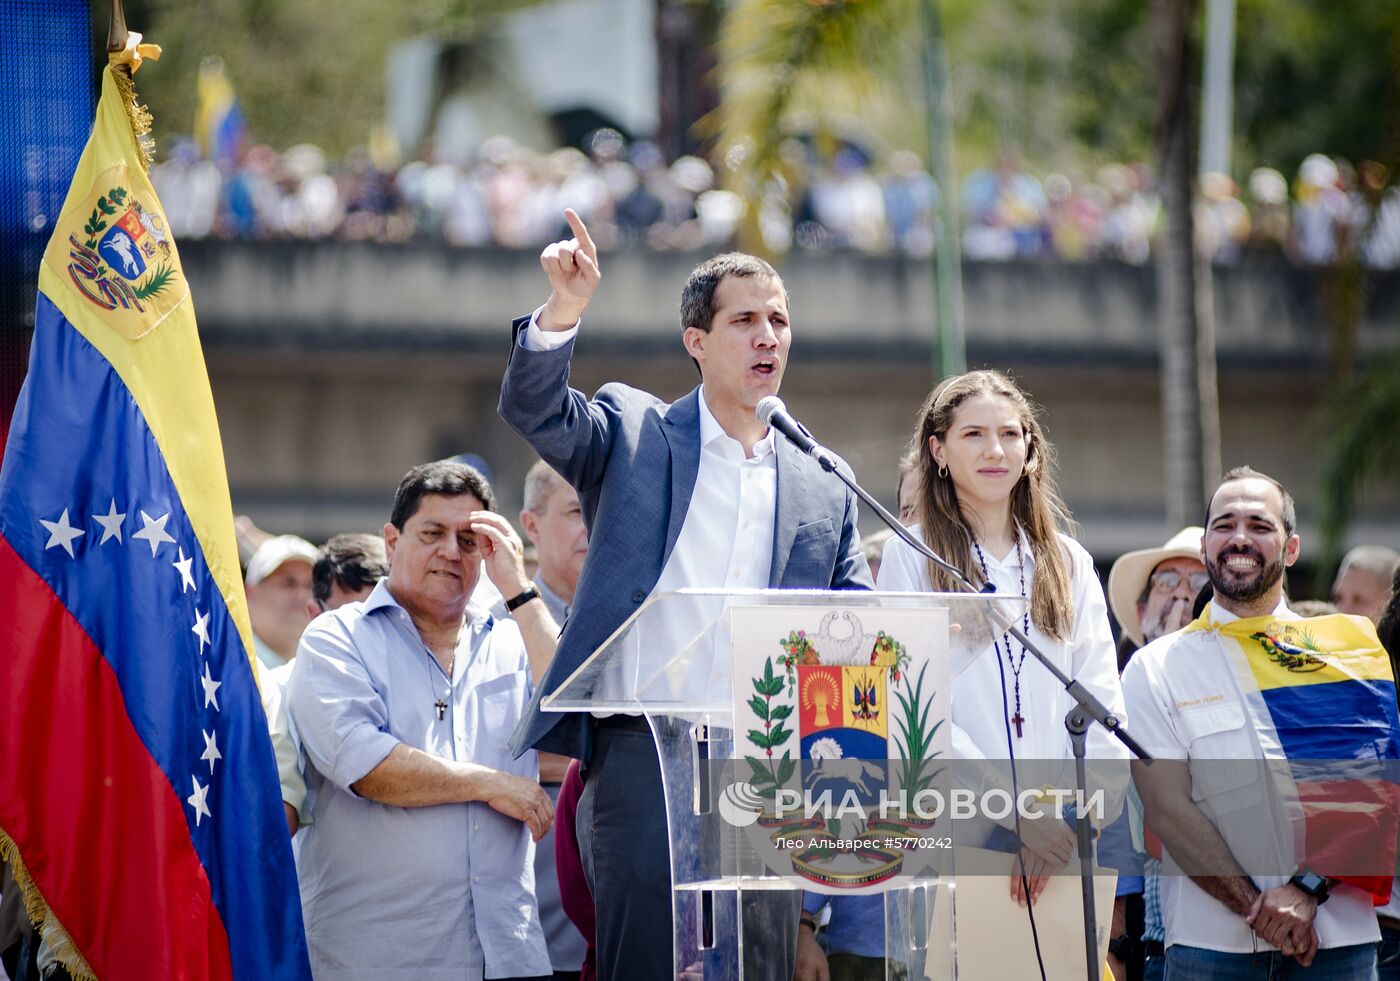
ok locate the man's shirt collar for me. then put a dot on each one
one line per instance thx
(381, 598)
(712, 433)
(1218, 614)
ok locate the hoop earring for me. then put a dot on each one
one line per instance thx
(943, 471)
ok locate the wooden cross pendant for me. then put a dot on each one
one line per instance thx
(1016, 721)
(442, 713)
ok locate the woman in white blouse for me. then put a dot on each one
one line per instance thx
(988, 504)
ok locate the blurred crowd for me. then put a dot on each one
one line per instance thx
(510, 196)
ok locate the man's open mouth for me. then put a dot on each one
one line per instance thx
(1240, 563)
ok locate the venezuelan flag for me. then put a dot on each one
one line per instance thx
(218, 122)
(1322, 698)
(139, 797)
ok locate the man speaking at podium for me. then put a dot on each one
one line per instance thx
(693, 493)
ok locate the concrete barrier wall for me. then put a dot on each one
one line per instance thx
(367, 294)
(337, 367)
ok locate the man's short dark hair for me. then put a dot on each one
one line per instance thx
(698, 294)
(446, 477)
(1290, 512)
(352, 561)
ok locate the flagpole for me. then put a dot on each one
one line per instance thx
(116, 30)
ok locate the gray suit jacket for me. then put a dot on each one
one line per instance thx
(634, 461)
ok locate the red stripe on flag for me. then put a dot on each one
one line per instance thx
(98, 825)
(1351, 832)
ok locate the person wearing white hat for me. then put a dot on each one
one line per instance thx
(278, 587)
(1151, 590)
(278, 584)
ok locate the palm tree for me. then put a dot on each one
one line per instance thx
(820, 59)
(1185, 315)
(829, 61)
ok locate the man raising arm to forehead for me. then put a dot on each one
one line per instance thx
(419, 858)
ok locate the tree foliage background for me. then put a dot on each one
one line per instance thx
(303, 70)
(1069, 83)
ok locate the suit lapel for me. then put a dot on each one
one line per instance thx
(681, 427)
(791, 499)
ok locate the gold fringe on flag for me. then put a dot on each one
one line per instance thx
(125, 63)
(60, 945)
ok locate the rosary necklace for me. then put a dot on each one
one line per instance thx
(1018, 663)
(441, 703)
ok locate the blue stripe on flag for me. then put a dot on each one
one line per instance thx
(1339, 720)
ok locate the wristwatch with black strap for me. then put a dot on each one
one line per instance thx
(516, 602)
(1311, 883)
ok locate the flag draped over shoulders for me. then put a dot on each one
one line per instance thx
(139, 799)
(1321, 695)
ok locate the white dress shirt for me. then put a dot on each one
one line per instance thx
(726, 541)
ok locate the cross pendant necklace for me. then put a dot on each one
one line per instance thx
(1017, 720)
(441, 703)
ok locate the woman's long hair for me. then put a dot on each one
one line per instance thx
(1035, 501)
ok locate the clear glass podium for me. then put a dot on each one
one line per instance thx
(686, 660)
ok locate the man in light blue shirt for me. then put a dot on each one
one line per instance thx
(418, 861)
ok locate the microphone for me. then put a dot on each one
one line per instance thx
(772, 412)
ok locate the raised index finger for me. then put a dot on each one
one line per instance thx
(580, 230)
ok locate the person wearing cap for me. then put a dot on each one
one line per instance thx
(1151, 592)
(278, 587)
(278, 584)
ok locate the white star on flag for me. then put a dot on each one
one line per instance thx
(61, 533)
(211, 751)
(111, 523)
(197, 801)
(153, 532)
(211, 688)
(186, 577)
(201, 629)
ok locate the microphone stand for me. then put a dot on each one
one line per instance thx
(1088, 709)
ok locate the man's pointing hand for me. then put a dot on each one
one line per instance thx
(572, 268)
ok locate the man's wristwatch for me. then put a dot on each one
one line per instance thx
(808, 920)
(517, 602)
(1311, 883)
